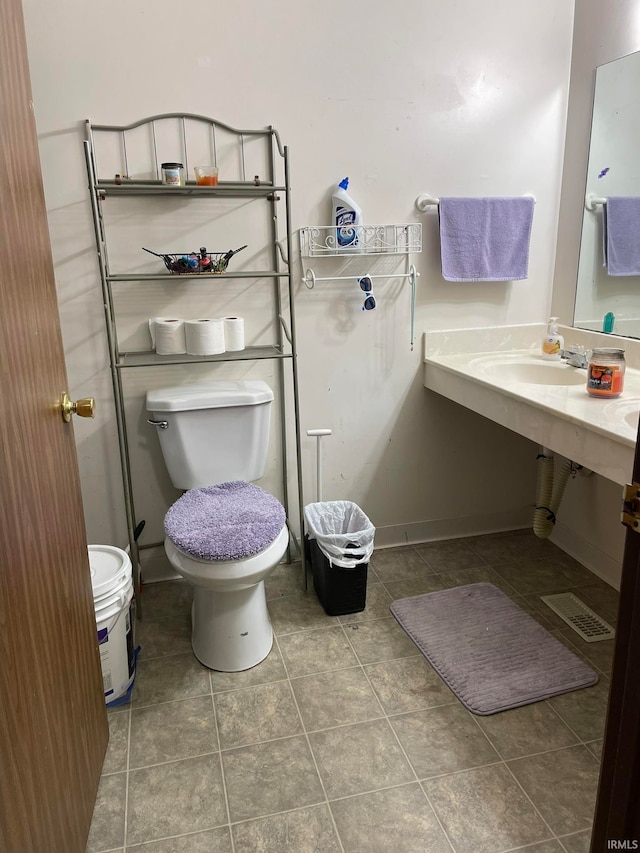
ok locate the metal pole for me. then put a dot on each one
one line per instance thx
(319, 433)
(294, 366)
(115, 378)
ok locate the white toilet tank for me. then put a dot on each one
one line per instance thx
(216, 431)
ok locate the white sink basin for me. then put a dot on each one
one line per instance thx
(529, 370)
(625, 411)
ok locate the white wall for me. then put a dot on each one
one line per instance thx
(603, 31)
(423, 96)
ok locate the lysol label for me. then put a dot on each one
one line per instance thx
(345, 231)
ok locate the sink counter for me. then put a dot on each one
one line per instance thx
(544, 401)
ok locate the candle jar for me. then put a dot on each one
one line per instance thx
(605, 373)
(173, 174)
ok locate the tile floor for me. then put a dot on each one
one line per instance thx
(344, 740)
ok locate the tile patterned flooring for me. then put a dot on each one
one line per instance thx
(345, 740)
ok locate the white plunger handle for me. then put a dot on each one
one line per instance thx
(318, 433)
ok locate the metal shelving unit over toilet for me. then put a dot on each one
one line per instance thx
(257, 187)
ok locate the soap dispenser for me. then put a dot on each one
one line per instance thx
(553, 342)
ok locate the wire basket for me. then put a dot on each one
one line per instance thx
(194, 263)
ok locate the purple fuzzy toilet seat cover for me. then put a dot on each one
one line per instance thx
(228, 521)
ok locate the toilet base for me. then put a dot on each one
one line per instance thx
(231, 628)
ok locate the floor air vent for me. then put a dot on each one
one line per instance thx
(579, 617)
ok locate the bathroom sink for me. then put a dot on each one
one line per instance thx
(631, 419)
(531, 371)
(623, 411)
(544, 401)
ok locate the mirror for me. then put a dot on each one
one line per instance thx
(614, 169)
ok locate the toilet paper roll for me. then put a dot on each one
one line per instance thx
(234, 334)
(167, 335)
(204, 337)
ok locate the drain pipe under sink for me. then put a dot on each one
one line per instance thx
(551, 486)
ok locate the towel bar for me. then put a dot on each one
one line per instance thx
(424, 201)
(310, 278)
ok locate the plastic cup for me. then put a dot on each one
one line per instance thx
(206, 176)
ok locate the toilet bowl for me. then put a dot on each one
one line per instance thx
(225, 535)
(225, 540)
(231, 627)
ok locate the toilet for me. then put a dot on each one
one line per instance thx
(225, 535)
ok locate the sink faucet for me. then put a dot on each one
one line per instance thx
(576, 355)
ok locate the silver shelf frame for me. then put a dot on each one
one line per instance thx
(151, 188)
(178, 277)
(150, 358)
(284, 350)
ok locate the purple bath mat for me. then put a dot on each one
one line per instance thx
(492, 654)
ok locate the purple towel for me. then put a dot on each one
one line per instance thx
(224, 522)
(622, 235)
(485, 239)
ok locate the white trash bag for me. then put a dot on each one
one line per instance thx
(343, 532)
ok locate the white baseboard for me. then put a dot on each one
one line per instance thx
(157, 568)
(453, 528)
(603, 565)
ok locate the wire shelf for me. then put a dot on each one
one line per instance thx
(198, 263)
(317, 241)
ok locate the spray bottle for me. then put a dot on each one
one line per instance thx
(346, 217)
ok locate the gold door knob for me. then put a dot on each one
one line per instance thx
(84, 408)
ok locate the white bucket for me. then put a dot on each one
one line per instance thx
(109, 565)
(102, 600)
(115, 617)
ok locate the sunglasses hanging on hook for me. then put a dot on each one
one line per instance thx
(367, 286)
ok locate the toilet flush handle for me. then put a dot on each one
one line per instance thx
(161, 424)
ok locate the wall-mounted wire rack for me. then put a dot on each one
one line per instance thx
(371, 242)
(320, 241)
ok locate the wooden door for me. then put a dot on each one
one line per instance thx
(617, 819)
(53, 727)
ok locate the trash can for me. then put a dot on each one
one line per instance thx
(340, 539)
